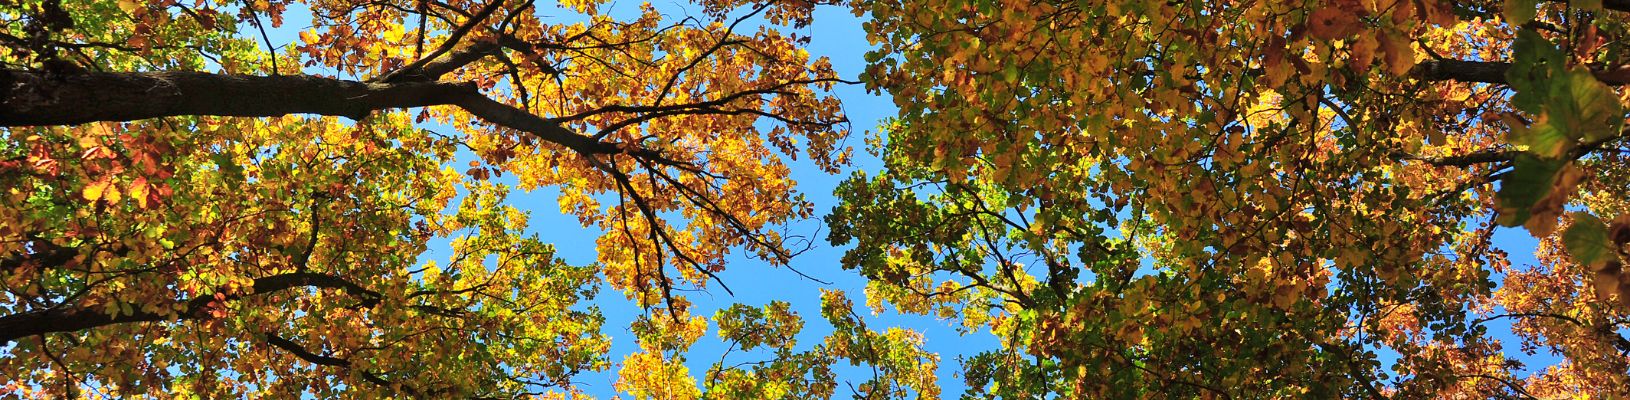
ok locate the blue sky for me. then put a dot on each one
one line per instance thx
(836, 34)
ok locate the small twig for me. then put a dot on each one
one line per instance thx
(418, 45)
(270, 51)
(65, 371)
(452, 41)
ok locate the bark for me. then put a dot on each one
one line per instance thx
(1493, 72)
(1464, 71)
(1615, 5)
(77, 318)
(67, 99)
(433, 70)
(34, 98)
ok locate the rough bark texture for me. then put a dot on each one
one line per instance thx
(32, 98)
(35, 98)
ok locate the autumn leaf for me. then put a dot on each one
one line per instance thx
(140, 191)
(101, 189)
(1332, 22)
(284, 201)
(1283, 182)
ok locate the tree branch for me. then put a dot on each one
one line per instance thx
(39, 322)
(44, 254)
(1494, 72)
(300, 351)
(30, 98)
(434, 70)
(447, 45)
(1615, 5)
(1496, 155)
(33, 98)
(1464, 160)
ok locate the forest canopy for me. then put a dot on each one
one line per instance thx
(1132, 198)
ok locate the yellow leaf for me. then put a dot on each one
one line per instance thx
(95, 190)
(138, 192)
(1400, 55)
(112, 194)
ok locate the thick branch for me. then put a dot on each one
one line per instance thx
(447, 45)
(433, 70)
(46, 254)
(1492, 72)
(31, 98)
(1615, 5)
(15, 326)
(1463, 71)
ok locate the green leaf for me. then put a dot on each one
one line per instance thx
(1534, 62)
(1542, 139)
(1518, 12)
(1529, 182)
(230, 170)
(1583, 107)
(1588, 5)
(1587, 240)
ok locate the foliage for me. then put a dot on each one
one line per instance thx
(1253, 199)
(1156, 199)
(187, 215)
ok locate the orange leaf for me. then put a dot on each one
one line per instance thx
(1332, 23)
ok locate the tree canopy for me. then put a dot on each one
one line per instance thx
(191, 213)
(1138, 199)
(1254, 199)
